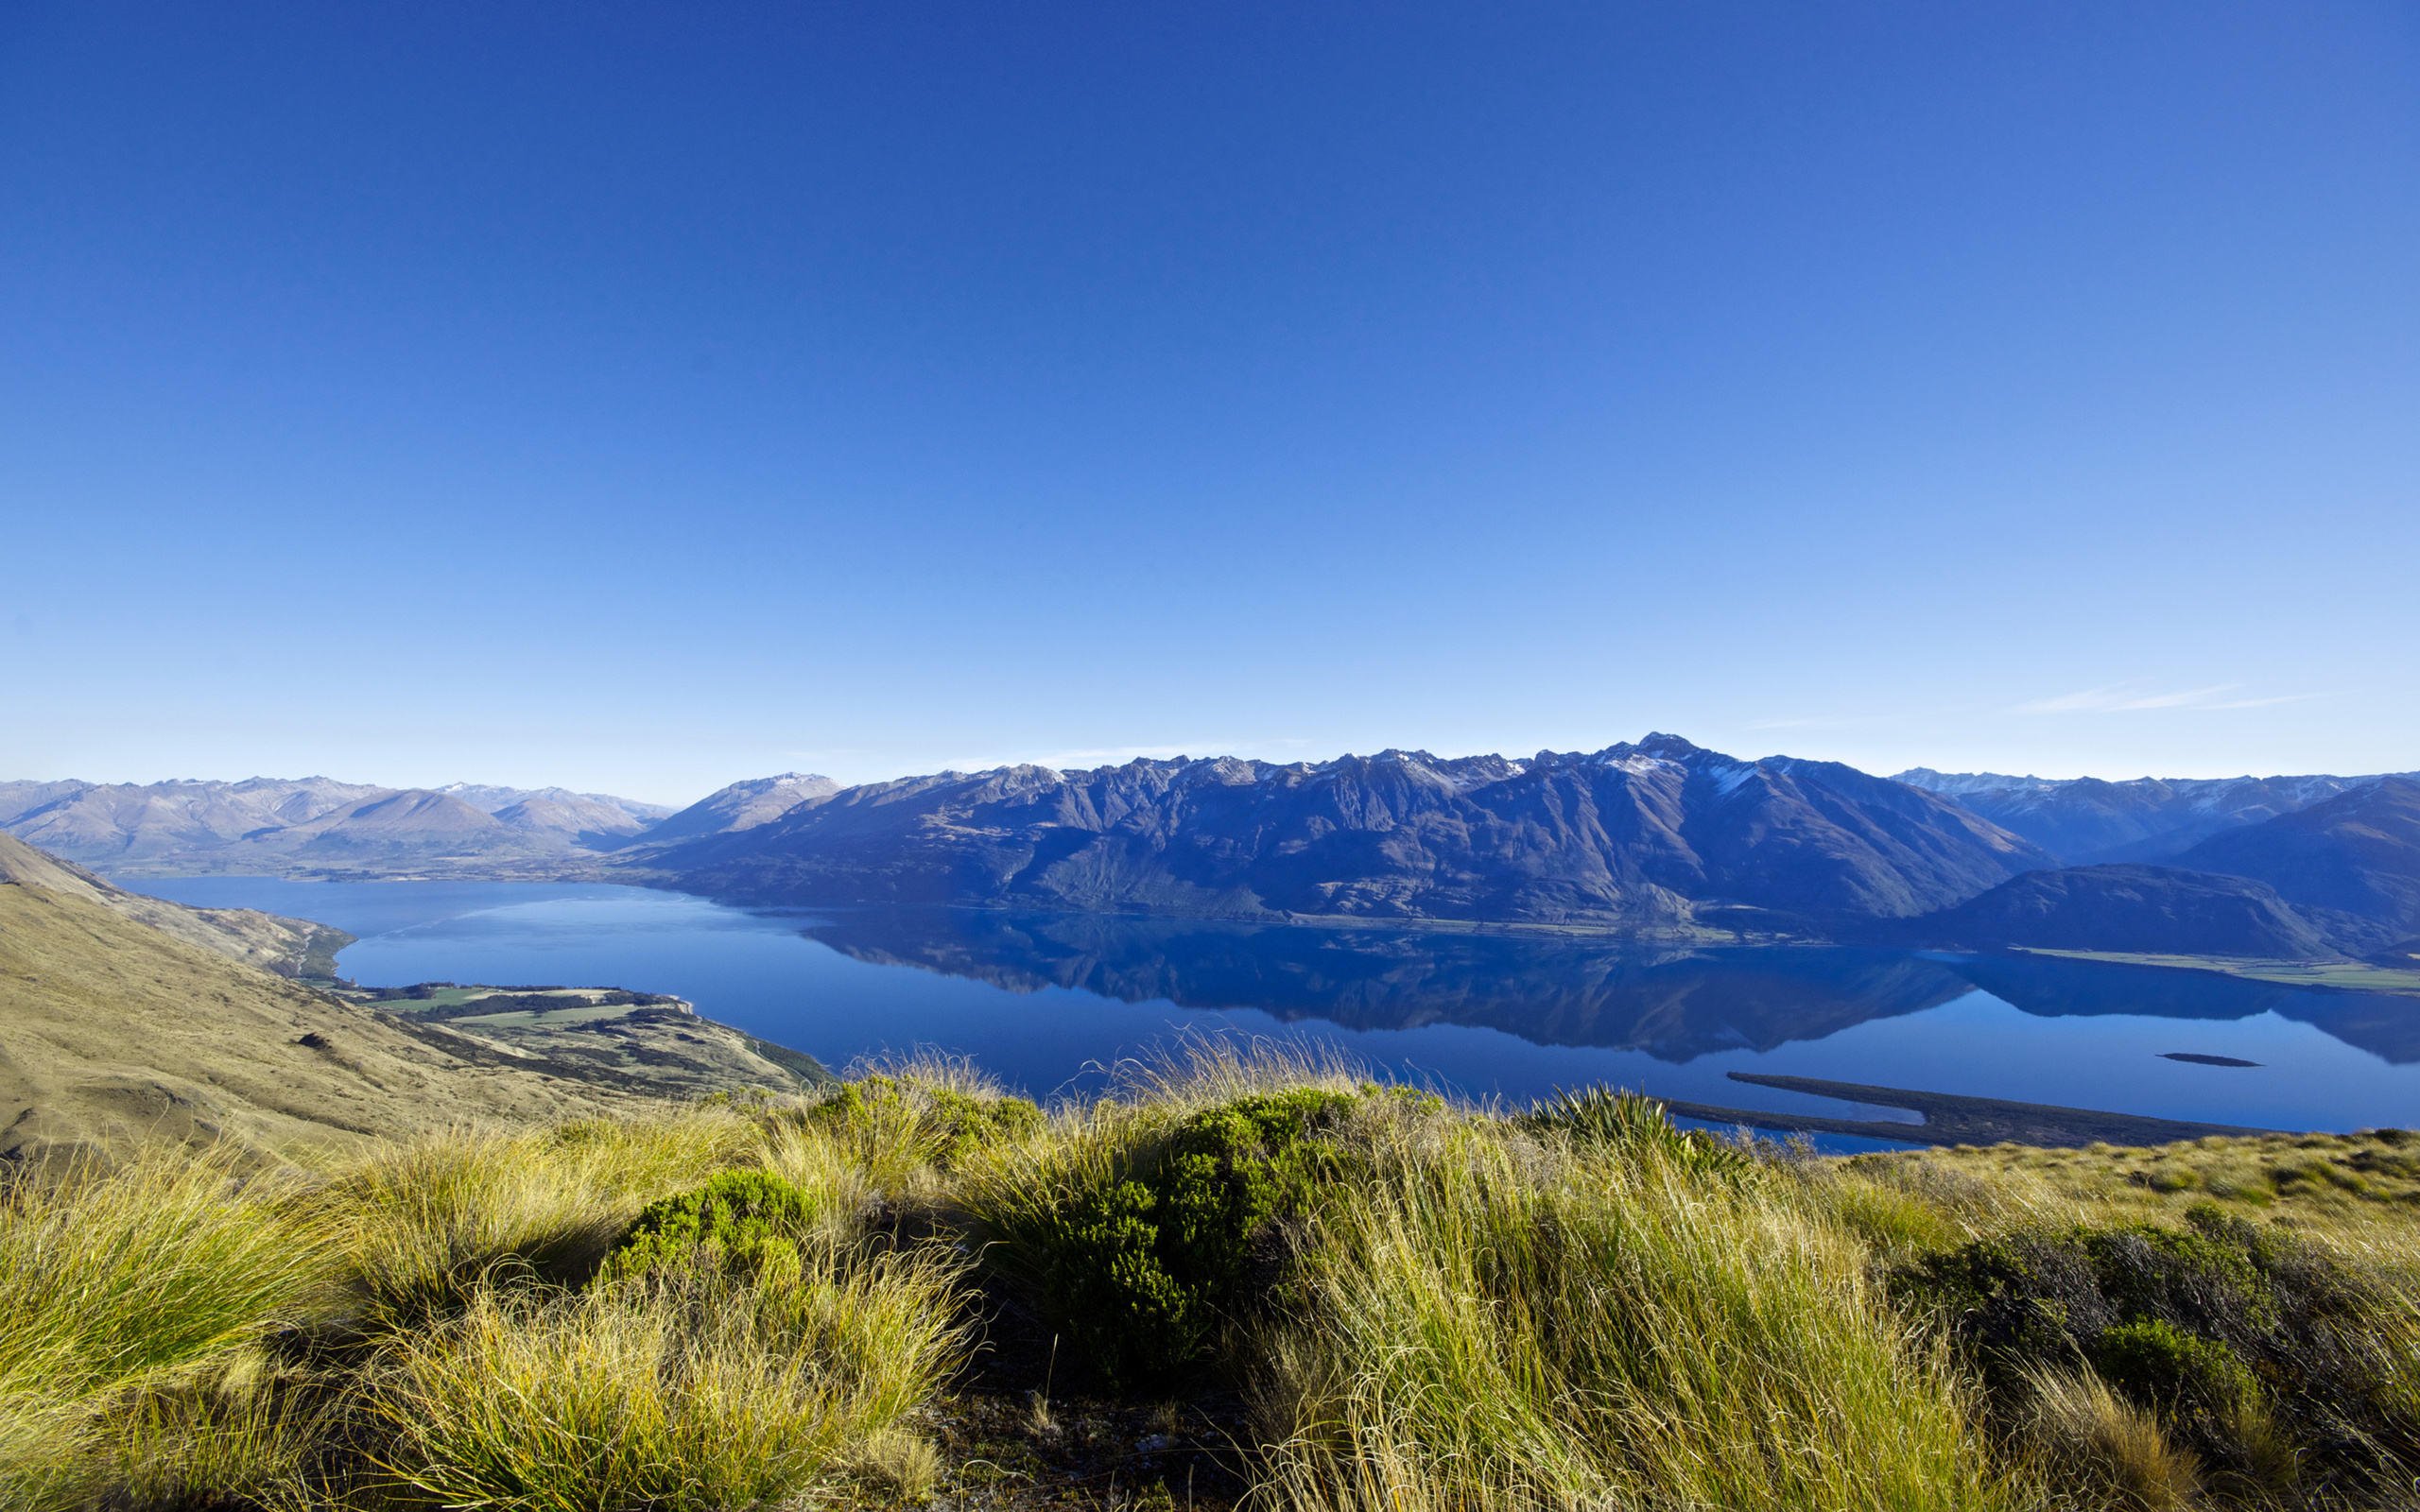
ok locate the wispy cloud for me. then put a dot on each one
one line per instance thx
(2119, 698)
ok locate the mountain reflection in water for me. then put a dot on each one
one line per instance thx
(1673, 1001)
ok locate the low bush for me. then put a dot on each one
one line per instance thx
(1142, 1262)
(2159, 1364)
(747, 1222)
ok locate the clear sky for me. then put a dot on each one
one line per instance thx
(639, 398)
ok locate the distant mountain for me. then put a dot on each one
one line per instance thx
(742, 806)
(280, 824)
(2085, 821)
(2152, 910)
(574, 820)
(496, 800)
(1650, 836)
(2355, 855)
(121, 822)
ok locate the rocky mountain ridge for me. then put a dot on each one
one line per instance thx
(1657, 834)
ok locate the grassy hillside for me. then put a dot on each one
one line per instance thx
(114, 1033)
(286, 947)
(1232, 1283)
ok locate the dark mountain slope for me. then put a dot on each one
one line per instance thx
(2358, 853)
(1647, 836)
(2153, 910)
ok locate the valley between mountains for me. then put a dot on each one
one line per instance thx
(1657, 837)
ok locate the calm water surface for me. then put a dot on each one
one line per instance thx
(1043, 998)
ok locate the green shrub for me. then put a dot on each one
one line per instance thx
(747, 1222)
(1143, 1269)
(2161, 1366)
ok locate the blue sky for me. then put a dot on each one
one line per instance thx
(639, 398)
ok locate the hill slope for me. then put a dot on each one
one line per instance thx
(113, 1029)
(286, 946)
(742, 805)
(2358, 853)
(1656, 835)
(2158, 910)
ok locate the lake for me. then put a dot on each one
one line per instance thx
(1044, 1000)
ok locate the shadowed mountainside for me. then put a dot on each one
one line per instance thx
(1657, 836)
(2358, 855)
(2159, 910)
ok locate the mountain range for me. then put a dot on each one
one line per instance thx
(1658, 838)
(2340, 876)
(1658, 835)
(2086, 822)
(278, 825)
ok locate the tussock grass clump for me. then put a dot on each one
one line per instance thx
(904, 1124)
(2098, 1442)
(1500, 1322)
(435, 1222)
(1635, 1123)
(688, 1393)
(134, 1303)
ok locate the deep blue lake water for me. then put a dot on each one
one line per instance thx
(1039, 998)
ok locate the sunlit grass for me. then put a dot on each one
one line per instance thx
(1449, 1306)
